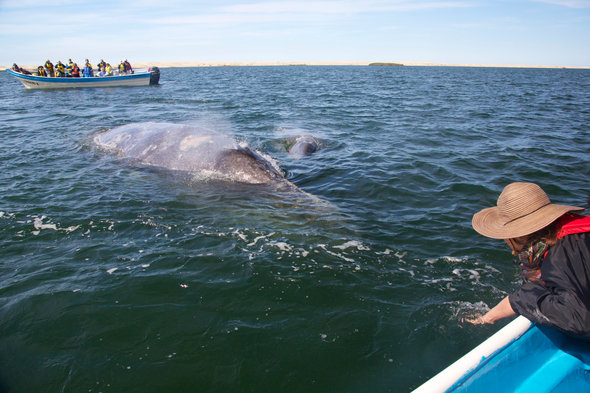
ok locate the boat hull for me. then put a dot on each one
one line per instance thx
(521, 357)
(140, 78)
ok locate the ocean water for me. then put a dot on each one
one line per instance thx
(119, 277)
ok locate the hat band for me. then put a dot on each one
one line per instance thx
(527, 214)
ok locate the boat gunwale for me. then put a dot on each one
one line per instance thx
(462, 369)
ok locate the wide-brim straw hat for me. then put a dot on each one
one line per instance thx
(522, 209)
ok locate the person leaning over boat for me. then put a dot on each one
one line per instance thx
(128, 68)
(49, 68)
(20, 70)
(553, 247)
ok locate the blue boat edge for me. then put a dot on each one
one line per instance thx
(521, 357)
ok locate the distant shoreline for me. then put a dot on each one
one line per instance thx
(270, 64)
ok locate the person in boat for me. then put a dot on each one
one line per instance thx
(75, 71)
(41, 71)
(87, 70)
(102, 72)
(109, 70)
(20, 70)
(552, 245)
(49, 68)
(128, 68)
(121, 68)
(60, 70)
(101, 64)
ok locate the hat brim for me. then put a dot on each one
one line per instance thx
(489, 223)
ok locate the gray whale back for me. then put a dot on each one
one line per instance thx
(189, 148)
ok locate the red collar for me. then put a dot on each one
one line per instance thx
(573, 223)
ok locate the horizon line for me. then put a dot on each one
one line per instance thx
(187, 64)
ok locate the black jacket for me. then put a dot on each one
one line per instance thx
(562, 299)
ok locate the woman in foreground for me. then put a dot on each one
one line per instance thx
(553, 248)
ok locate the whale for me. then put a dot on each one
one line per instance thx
(190, 148)
(304, 145)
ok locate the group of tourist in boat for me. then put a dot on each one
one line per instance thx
(72, 70)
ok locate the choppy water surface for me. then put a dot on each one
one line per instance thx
(116, 277)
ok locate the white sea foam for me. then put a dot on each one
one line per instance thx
(411, 272)
(353, 243)
(38, 224)
(335, 254)
(256, 239)
(44, 223)
(282, 246)
(241, 235)
(453, 259)
(444, 258)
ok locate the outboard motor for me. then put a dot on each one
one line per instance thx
(155, 77)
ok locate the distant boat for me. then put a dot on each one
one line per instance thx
(151, 76)
(521, 357)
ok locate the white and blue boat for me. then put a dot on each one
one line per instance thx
(521, 357)
(151, 76)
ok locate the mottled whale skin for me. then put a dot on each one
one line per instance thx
(304, 145)
(189, 148)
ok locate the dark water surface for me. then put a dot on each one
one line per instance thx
(121, 278)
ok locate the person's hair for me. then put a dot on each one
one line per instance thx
(547, 235)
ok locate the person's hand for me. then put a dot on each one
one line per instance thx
(479, 320)
(500, 311)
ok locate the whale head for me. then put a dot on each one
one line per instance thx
(304, 146)
(246, 166)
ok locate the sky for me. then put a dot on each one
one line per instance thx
(498, 32)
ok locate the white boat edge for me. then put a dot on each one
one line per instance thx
(146, 77)
(454, 374)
